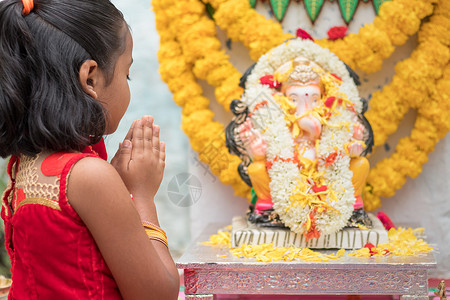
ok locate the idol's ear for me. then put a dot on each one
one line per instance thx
(89, 77)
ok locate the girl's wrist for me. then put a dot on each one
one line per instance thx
(146, 209)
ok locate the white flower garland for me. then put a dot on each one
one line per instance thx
(270, 121)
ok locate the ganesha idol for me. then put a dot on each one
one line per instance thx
(302, 137)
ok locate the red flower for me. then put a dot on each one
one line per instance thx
(318, 189)
(304, 35)
(371, 248)
(351, 107)
(385, 220)
(313, 232)
(335, 76)
(329, 102)
(330, 159)
(337, 32)
(260, 105)
(270, 81)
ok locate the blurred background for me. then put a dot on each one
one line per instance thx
(422, 202)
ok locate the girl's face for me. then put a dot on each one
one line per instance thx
(115, 97)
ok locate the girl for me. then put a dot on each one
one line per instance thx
(72, 230)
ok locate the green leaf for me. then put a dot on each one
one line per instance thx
(313, 8)
(348, 8)
(279, 8)
(252, 3)
(254, 197)
(377, 4)
(210, 10)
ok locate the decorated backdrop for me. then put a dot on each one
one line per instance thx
(401, 56)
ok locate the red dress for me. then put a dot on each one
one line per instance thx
(53, 254)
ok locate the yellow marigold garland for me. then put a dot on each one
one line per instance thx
(189, 49)
(397, 20)
(421, 82)
(206, 135)
(246, 25)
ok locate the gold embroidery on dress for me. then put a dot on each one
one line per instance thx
(33, 184)
(8, 187)
(10, 196)
(42, 201)
(5, 208)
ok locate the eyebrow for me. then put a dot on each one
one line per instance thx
(298, 94)
(132, 60)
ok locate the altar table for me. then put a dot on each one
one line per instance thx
(210, 270)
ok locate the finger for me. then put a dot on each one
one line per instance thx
(148, 132)
(255, 132)
(162, 151)
(128, 137)
(155, 140)
(138, 139)
(123, 156)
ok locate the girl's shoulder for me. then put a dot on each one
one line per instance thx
(55, 164)
(91, 172)
(84, 178)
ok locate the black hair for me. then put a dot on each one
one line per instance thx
(42, 103)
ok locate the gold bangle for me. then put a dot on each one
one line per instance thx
(157, 236)
(155, 233)
(153, 227)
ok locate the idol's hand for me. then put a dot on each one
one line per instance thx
(358, 131)
(252, 140)
(257, 145)
(140, 159)
(311, 127)
(355, 149)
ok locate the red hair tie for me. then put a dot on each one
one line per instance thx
(28, 6)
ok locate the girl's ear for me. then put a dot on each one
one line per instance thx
(89, 73)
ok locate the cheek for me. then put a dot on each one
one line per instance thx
(127, 97)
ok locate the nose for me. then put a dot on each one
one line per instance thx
(307, 101)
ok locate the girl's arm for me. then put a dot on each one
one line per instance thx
(143, 269)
